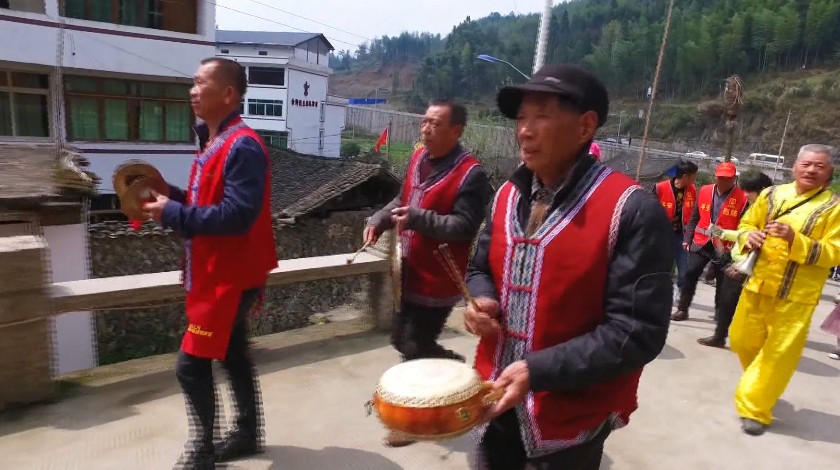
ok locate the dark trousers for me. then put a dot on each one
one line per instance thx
(680, 259)
(730, 292)
(501, 449)
(416, 329)
(195, 374)
(695, 265)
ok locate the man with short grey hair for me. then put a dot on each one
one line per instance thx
(796, 227)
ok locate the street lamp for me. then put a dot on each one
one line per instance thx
(489, 58)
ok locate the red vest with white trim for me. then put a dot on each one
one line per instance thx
(551, 289)
(425, 281)
(728, 218)
(242, 260)
(219, 268)
(666, 196)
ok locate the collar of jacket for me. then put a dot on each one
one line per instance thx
(523, 178)
(203, 132)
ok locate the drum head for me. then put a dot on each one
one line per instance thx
(428, 383)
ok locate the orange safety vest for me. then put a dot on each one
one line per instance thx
(665, 193)
(728, 218)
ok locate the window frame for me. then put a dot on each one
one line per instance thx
(134, 98)
(266, 103)
(13, 90)
(278, 134)
(282, 74)
(159, 13)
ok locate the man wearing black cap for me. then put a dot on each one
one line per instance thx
(571, 276)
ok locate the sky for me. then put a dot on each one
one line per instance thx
(349, 23)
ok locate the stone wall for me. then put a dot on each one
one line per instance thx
(117, 250)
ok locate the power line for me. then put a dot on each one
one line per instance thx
(277, 22)
(310, 19)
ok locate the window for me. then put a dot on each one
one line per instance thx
(323, 111)
(266, 76)
(274, 139)
(320, 139)
(124, 110)
(225, 51)
(265, 108)
(33, 6)
(24, 109)
(180, 16)
(263, 53)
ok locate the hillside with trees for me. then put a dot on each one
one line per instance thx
(786, 52)
(619, 40)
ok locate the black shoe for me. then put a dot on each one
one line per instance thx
(453, 355)
(679, 315)
(237, 445)
(713, 341)
(192, 460)
(752, 427)
(396, 440)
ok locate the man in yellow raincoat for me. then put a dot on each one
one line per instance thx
(796, 226)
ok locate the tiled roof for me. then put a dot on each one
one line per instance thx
(268, 38)
(302, 183)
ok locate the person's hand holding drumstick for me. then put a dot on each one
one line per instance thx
(482, 321)
(370, 236)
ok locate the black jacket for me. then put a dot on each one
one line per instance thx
(467, 212)
(637, 298)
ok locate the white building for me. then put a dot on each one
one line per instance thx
(287, 101)
(126, 77)
(112, 79)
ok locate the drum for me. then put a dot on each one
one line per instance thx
(133, 182)
(432, 399)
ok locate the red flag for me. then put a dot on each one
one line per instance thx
(382, 140)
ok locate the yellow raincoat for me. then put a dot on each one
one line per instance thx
(774, 313)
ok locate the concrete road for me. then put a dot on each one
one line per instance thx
(316, 381)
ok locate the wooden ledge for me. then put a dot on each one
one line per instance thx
(154, 288)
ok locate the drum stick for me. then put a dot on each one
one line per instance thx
(445, 258)
(353, 258)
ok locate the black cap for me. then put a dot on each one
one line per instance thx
(573, 82)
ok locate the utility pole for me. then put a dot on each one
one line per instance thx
(781, 146)
(542, 36)
(655, 86)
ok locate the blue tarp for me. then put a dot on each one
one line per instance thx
(363, 101)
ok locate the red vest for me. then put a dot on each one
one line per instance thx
(219, 267)
(728, 218)
(551, 289)
(666, 196)
(425, 281)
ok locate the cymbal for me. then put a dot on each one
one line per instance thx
(134, 181)
(138, 193)
(131, 171)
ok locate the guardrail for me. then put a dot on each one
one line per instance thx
(686, 156)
